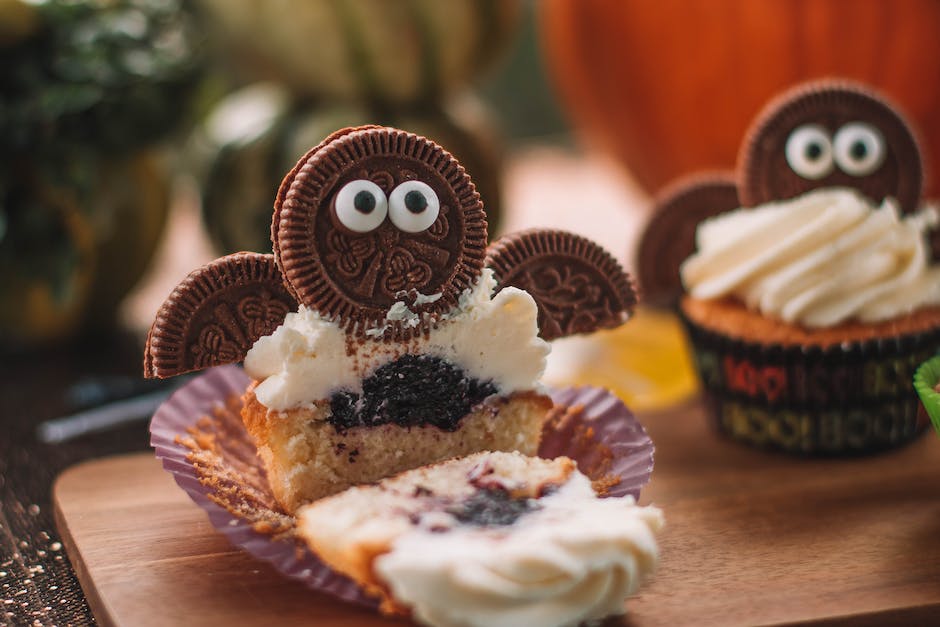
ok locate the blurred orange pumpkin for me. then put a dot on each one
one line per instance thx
(669, 87)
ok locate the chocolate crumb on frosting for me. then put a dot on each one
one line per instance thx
(413, 390)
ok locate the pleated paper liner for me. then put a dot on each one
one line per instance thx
(925, 382)
(847, 399)
(199, 437)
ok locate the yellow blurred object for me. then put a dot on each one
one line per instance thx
(18, 20)
(646, 362)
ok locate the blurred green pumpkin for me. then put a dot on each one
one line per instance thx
(66, 268)
(47, 259)
(89, 87)
(392, 52)
(255, 136)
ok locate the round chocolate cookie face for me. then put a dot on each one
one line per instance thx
(375, 216)
(669, 236)
(828, 134)
(578, 286)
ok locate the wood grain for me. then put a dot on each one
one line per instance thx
(752, 538)
(762, 538)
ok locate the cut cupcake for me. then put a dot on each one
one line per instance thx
(493, 539)
(409, 340)
(329, 412)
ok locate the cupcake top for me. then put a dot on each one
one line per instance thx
(488, 337)
(819, 259)
(380, 250)
(826, 225)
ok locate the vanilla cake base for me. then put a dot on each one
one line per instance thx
(307, 458)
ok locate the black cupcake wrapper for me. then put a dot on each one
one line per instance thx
(849, 398)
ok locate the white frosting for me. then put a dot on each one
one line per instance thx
(818, 260)
(576, 559)
(489, 337)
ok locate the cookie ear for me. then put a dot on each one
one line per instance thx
(216, 314)
(578, 286)
(933, 240)
(669, 236)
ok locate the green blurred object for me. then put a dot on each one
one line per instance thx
(391, 53)
(925, 382)
(257, 134)
(89, 88)
(519, 89)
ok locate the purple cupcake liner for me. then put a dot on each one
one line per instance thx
(590, 425)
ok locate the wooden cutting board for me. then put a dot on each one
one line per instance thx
(751, 538)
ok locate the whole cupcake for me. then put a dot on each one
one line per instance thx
(810, 308)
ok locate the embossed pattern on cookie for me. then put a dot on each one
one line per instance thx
(376, 216)
(578, 286)
(216, 314)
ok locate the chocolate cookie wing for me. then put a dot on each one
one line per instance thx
(215, 315)
(578, 286)
(830, 133)
(375, 216)
(669, 236)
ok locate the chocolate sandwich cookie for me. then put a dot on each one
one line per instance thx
(826, 134)
(669, 236)
(379, 231)
(215, 315)
(376, 216)
(578, 286)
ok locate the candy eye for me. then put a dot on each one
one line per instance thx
(361, 206)
(413, 206)
(859, 148)
(809, 151)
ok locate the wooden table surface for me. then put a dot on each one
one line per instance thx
(751, 538)
(763, 538)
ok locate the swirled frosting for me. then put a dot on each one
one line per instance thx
(817, 260)
(490, 337)
(574, 559)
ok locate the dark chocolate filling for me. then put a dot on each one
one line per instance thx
(491, 508)
(413, 390)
